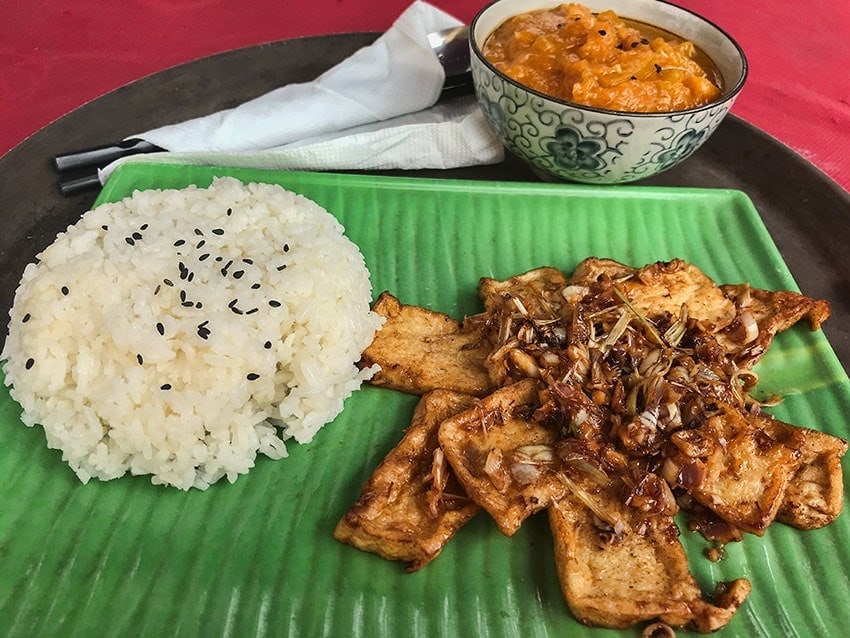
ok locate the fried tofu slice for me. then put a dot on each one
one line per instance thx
(419, 350)
(731, 465)
(761, 314)
(501, 457)
(411, 505)
(540, 291)
(637, 574)
(815, 493)
(663, 287)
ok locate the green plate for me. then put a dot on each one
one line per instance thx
(257, 558)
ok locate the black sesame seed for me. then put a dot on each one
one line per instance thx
(143, 227)
(204, 334)
(130, 241)
(105, 227)
(199, 305)
(188, 304)
(253, 376)
(30, 363)
(233, 303)
(165, 386)
(203, 323)
(204, 257)
(139, 359)
(65, 290)
(644, 41)
(634, 44)
(229, 212)
(219, 258)
(267, 345)
(236, 310)
(274, 303)
(602, 32)
(218, 231)
(201, 243)
(180, 242)
(199, 232)
(182, 295)
(157, 289)
(252, 311)
(283, 267)
(238, 274)
(633, 78)
(286, 248)
(658, 68)
(26, 318)
(191, 276)
(247, 261)
(137, 235)
(255, 286)
(160, 328)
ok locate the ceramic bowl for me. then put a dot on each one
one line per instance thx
(579, 143)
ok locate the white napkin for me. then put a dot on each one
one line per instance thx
(374, 110)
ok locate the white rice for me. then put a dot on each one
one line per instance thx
(262, 348)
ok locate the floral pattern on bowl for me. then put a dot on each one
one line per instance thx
(588, 145)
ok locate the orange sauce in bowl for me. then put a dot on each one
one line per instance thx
(601, 60)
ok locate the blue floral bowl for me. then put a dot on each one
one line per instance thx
(597, 146)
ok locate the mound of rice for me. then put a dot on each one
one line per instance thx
(178, 333)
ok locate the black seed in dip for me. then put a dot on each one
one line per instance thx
(191, 276)
(180, 242)
(187, 304)
(168, 282)
(143, 227)
(218, 231)
(247, 261)
(253, 376)
(204, 257)
(139, 359)
(130, 241)
(255, 286)
(200, 244)
(199, 232)
(26, 318)
(274, 303)
(182, 295)
(30, 363)
(252, 311)
(165, 386)
(65, 290)
(160, 328)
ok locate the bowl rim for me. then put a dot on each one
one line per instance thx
(725, 97)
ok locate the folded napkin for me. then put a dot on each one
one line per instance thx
(375, 110)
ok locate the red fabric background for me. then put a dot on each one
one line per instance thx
(56, 55)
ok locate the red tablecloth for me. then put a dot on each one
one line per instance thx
(56, 55)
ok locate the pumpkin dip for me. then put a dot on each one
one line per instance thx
(600, 60)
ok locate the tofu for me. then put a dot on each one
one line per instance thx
(419, 350)
(737, 470)
(664, 287)
(772, 312)
(499, 455)
(814, 496)
(411, 505)
(637, 574)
